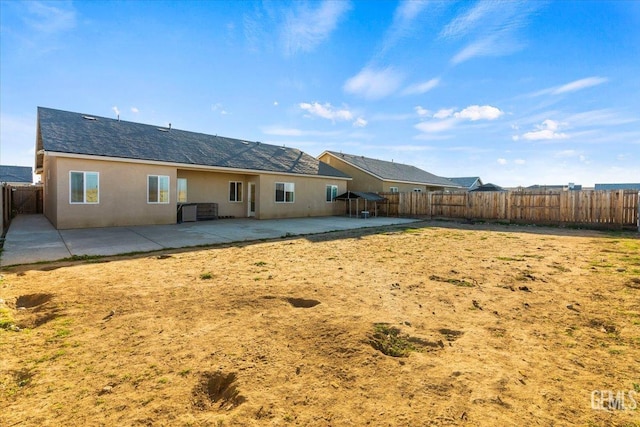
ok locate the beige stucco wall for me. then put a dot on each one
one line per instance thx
(362, 181)
(213, 187)
(49, 178)
(309, 197)
(122, 195)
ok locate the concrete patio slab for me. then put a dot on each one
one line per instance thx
(32, 238)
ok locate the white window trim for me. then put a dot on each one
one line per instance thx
(236, 192)
(285, 192)
(333, 199)
(84, 188)
(393, 189)
(186, 189)
(168, 190)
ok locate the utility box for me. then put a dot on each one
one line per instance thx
(189, 212)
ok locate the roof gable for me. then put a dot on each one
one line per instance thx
(467, 181)
(16, 174)
(392, 171)
(75, 133)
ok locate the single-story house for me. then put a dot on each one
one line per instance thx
(619, 186)
(488, 187)
(378, 176)
(16, 175)
(467, 182)
(101, 172)
(569, 187)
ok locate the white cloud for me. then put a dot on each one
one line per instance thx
(545, 131)
(326, 111)
(420, 88)
(443, 113)
(519, 161)
(580, 84)
(116, 110)
(477, 112)
(275, 103)
(447, 118)
(218, 108)
(403, 23)
(374, 84)
(573, 86)
(422, 112)
(490, 28)
(47, 18)
(502, 161)
(134, 110)
(360, 123)
(305, 28)
(436, 126)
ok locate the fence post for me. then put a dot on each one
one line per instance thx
(638, 212)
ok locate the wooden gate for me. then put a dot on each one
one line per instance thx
(26, 200)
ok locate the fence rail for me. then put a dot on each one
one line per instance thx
(607, 209)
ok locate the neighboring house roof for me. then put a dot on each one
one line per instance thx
(22, 174)
(625, 186)
(467, 181)
(80, 134)
(392, 171)
(371, 197)
(488, 187)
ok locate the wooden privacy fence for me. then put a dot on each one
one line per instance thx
(609, 209)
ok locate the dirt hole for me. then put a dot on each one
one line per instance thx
(634, 283)
(450, 334)
(302, 303)
(390, 341)
(33, 300)
(217, 390)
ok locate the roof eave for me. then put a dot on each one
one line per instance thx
(187, 165)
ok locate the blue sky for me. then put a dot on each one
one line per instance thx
(518, 93)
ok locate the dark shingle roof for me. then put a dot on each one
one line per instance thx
(16, 174)
(489, 187)
(621, 186)
(371, 197)
(75, 133)
(466, 181)
(392, 171)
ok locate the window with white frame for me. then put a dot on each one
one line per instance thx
(285, 192)
(157, 189)
(393, 189)
(417, 190)
(84, 187)
(182, 190)
(235, 191)
(332, 193)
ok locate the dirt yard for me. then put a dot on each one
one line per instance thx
(482, 325)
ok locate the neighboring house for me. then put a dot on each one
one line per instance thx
(467, 182)
(372, 175)
(488, 187)
(625, 186)
(569, 187)
(16, 175)
(100, 172)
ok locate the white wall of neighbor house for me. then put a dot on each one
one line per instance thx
(122, 194)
